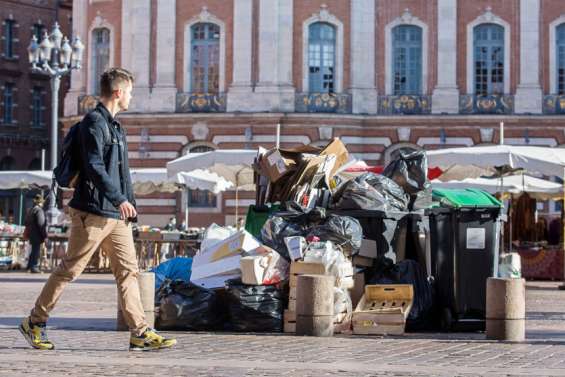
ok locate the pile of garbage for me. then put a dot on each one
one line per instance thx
(242, 282)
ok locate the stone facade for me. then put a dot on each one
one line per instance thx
(263, 79)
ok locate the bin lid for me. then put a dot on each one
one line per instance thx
(459, 198)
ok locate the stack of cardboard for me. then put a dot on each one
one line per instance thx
(302, 174)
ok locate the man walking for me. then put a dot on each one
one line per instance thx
(36, 228)
(102, 209)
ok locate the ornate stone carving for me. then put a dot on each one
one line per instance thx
(325, 132)
(403, 133)
(200, 131)
(487, 134)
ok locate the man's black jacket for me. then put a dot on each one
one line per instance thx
(104, 178)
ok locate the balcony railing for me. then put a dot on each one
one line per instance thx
(491, 104)
(406, 104)
(338, 103)
(86, 103)
(201, 103)
(554, 104)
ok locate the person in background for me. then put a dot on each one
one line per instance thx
(37, 232)
(172, 225)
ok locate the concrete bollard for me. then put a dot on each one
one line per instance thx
(506, 309)
(146, 283)
(315, 305)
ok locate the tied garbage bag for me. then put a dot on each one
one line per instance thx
(409, 170)
(255, 308)
(344, 231)
(178, 268)
(371, 192)
(186, 306)
(421, 316)
(332, 257)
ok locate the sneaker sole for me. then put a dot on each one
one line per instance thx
(28, 339)
(145, 349)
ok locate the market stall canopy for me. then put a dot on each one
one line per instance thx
(234, 165)
(22, 179)
(544, 160)
(513, 184)
(147, 181)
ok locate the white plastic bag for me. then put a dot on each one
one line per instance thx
(510, 266)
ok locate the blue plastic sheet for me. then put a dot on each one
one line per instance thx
(178, 268)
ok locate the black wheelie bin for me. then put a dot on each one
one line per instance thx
(465, 238)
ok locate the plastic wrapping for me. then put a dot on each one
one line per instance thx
(332, 257)
(255, 308)
(421, 315)
(370, 191)
(409, 170)
(214, 234)
(264, 267)
(342, 302)
(178, 268)
(344, 231)
(186, 306)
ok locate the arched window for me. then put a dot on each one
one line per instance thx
(100, 56)
(407, 59)
(201, 198)
(205, 58)
(321, 58)
(488, 59)
(8, 163)
(35, 164)
(560, 55)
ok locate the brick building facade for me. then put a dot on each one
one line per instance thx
(25, 97)
(379, 74)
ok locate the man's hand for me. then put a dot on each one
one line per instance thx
(127, 210)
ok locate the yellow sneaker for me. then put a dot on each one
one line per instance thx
(150, 340)
(36, 335)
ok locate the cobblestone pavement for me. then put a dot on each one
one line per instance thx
(82, 328)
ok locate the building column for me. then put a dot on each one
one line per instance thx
(136, 29)
(163, 94)
(445, 97)
(241, 88)
(363, 90)
(78, 77)
(275, 91)
(529, 94)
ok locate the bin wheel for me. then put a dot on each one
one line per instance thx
(446, 319)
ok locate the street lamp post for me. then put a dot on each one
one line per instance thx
(54, 57)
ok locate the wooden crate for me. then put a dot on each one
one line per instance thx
(383, 309)
(304, 268)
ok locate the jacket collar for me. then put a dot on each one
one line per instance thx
(105, 113)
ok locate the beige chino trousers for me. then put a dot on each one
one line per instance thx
(88, 233)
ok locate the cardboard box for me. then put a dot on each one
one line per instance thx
(368, 248)
(275, 164)
(337, 148)
(223, 257)
(218, 281)
(362, 261)
(304, 268)
(383, 309)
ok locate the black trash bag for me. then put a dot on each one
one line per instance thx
(294, 222)
(371, 191)
(422, 315)
(344, 231)
(186, 306)
(255, 308)
(409, 170)
(421, 200)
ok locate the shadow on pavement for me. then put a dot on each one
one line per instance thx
(44, 279)
(60, 323)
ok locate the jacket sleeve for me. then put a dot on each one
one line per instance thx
(92, 149)
(129, 185)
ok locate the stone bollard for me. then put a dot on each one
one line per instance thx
(315, 305)
(506, 309)
(146, 282)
